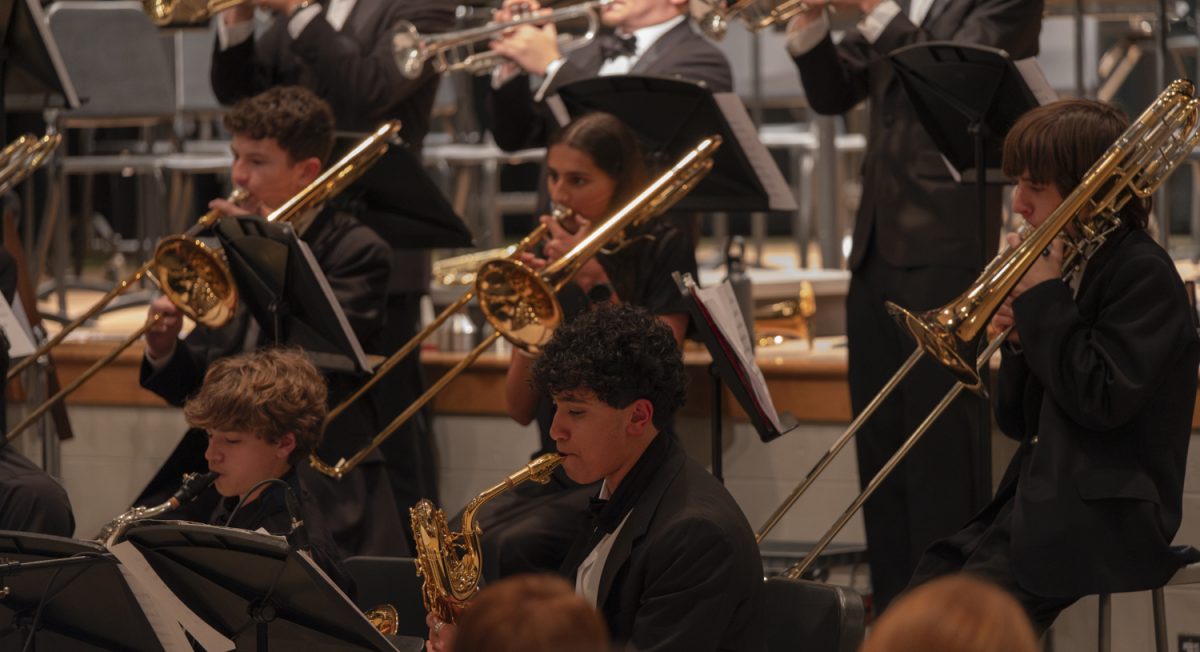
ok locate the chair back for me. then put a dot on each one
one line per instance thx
(804, 615)
(392, 580)
(113, 54)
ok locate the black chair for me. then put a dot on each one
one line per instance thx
(392, 580)
(812, 617)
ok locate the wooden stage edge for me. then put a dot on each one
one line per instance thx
(813, 389)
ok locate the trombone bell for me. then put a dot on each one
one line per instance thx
(934, 333)
(518, 302)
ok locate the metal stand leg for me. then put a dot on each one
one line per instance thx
(1104, 622)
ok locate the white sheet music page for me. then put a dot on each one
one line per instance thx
(16, 329)
(167, 614)
(723, 308)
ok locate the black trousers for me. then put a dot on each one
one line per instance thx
(945, 479)
(983, 549)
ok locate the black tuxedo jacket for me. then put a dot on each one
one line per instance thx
(684, 572)
(911, 210)
(519, 122)
(353, 69)
(1101, 398)
(356, 263)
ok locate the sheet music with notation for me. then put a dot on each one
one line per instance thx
(723, 308)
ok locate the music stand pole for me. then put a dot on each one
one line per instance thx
(716, 425)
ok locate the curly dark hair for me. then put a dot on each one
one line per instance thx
(294, 116)
(268, 392)
(1058, 142)
(621, 353)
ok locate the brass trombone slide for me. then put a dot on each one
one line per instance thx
(204, 222)
(196, 280)
(212, 278)
(520, 303)
(1134, 166)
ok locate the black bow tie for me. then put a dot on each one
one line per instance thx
(615, 45)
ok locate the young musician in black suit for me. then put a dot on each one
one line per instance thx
(263, 412)
(1097, 383)
(594, 167)
(342, 50)
(664, 44)
(280, 139)
(665, 553)
(917, 242)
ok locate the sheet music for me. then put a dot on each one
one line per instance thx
(723, 308)
(779, 194)
(320, 358)
(1035, 79)
(16, 329)
(164, 610)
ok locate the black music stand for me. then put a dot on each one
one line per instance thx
(280, 282)
(967, 98)
(30, 65)
(670, 116)
(253, 588)
(69, 595)
(729, 369)
(397, 199)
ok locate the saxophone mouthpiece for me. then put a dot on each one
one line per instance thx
(193, 484)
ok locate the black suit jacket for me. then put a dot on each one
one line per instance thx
(519, 122)
(911, 210)
(684, 572)
(356, 263)
(1106, 384)
(353, 69)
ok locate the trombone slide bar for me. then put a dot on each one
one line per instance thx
(838, 445)
(344, 466)
(83, 378)
(798, 570)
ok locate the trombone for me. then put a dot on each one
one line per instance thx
(195, 278)
(1134, 166)
(520, 302)
(467, 49)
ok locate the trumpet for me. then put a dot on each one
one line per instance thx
(449, 562)
(754, 14)
(1133, 167)
(193, 484)
(467, 49)
(520, 303)
(167, 12)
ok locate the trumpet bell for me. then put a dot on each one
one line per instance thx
(518, 302)
(196, 279)
(410, 55)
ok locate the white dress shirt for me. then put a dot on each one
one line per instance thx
(336, 15)
(587, 578)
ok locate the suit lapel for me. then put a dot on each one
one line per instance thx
(661, 47)
(357, 21)
(638, 522)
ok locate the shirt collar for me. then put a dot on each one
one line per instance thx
(647, 36)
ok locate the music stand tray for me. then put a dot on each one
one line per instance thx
(745, 381)
(86, 603)
(397, 198)
(254, 589)
(967, 97)
(669, 117)
(282, 285)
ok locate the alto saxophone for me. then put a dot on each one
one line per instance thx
(193, 484)
(449, 562)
